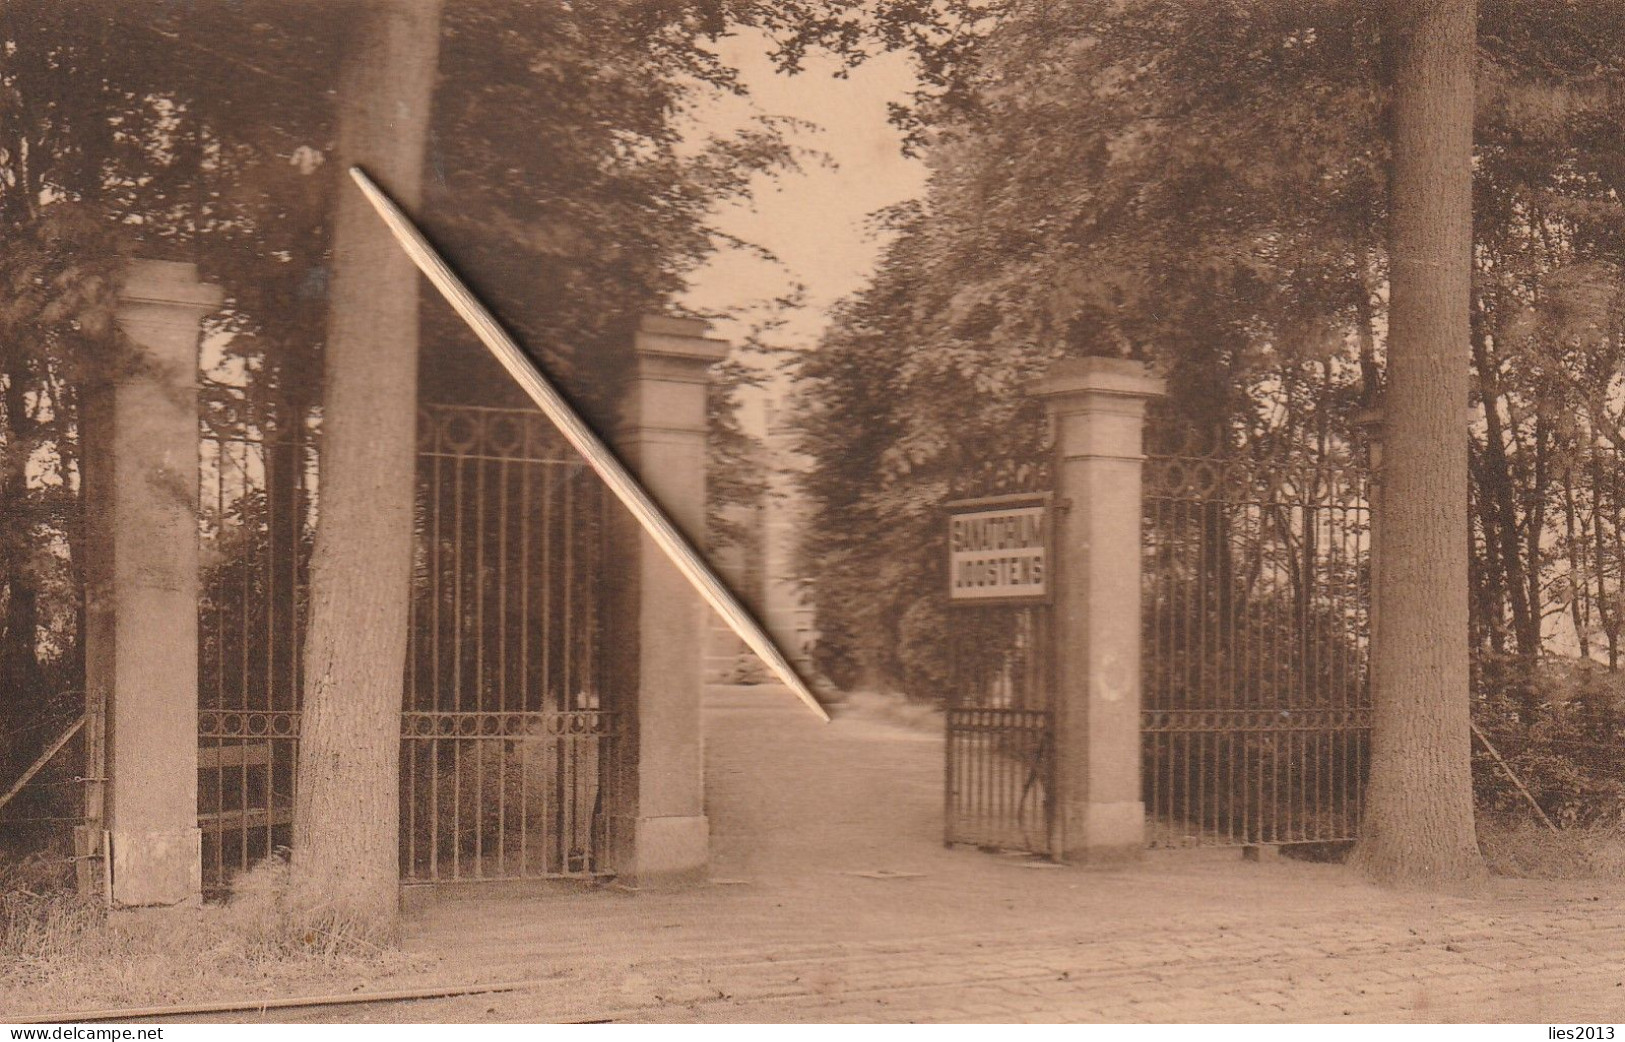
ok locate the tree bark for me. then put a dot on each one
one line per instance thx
(346, 856)
(1418, 826)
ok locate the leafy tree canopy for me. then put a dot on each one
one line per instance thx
(1204, 186)
(563, 178)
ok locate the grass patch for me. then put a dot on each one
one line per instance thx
(1522, 848)
(61, 951)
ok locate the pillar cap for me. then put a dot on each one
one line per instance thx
(678, 339)
(672, 325)
(1123, 377)
(168, 282)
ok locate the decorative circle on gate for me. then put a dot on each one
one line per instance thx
(459, 431)
(1256, 721)
(1205, 477)
(1280, 486)
(508, 435)
(1246, 480)
(427, 432)
(507, 725)
(247, 723)
(544, 442)
(505, 434)
(1169, 476)
(1235, 485)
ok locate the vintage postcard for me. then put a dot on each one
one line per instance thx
(812, 511)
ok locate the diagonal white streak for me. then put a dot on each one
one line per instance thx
(575, 430)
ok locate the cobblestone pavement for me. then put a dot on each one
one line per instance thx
(833, 899)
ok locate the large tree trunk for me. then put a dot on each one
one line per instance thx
(347, 811)
(1418, 825)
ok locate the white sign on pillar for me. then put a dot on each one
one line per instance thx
(999, 550)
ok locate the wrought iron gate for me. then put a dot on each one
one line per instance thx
(1000, 742)
(1255, 712)
(255, 526)
(509, 750)
(1000, 752)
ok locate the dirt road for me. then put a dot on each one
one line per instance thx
(832, 898)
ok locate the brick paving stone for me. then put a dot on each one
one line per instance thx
(797, 806)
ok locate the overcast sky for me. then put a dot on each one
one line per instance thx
(815, 222)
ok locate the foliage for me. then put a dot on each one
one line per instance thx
(735, 485)
(60, 950)
(562, 181)
(1204, 186)
(55, 346)
(1149, 227)
(1561, 730)
(748, 669)
(1516, 846)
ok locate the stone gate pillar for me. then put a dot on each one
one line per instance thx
(659, 620)
(141, 570)
(1097, 411)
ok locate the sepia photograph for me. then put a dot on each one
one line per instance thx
(763, 512)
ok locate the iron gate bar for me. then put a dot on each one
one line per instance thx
(502, 622)
(999, 758)
(998, 797)
(570, 823)
(649, 515)
(1255, 715)
(524, 629)
(254, 467)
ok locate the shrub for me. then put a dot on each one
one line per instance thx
(1560, 726)
(499, 805)
(834, 659)
(748, 669)
(40, 917)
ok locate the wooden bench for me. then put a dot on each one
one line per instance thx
(237, 819)
(211, 757)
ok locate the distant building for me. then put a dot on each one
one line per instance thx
(764, 568)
